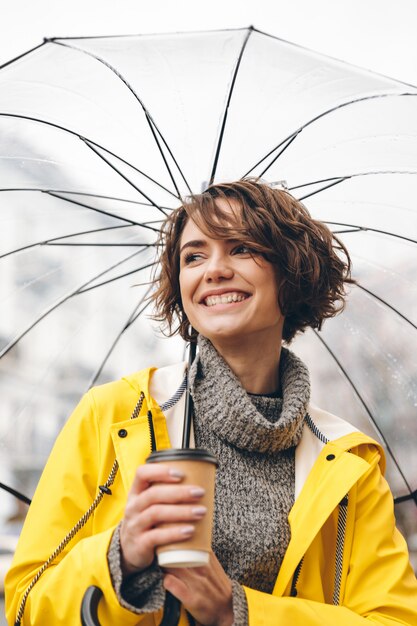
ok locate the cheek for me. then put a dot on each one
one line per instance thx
(182, 287)
(272, 290)
(185, 291)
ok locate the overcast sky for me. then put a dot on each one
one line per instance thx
(375, 34)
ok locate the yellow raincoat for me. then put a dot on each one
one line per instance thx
(377, 584)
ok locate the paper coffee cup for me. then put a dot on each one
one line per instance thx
(199, 468)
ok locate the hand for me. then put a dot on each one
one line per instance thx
(206, 592)
(156, 498)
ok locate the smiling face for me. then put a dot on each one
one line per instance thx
(228, 292)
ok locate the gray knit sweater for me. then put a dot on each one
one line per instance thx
(254, 439)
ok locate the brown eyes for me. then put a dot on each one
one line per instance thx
(192, 257)
(242, 249)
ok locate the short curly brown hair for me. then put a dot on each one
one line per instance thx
(307, 256)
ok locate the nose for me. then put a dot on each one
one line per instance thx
(218, 268)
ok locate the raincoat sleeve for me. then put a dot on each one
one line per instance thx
(66, 490)
(380, 587)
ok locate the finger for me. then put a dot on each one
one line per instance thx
(155, 515)
(169, 513)
(157, 537)
(177, 587)
(213, 573)
(150, 473)
(167, 494)
(138, 549)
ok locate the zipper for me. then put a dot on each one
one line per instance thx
(340, 546)
(151, 432)
(295, 578)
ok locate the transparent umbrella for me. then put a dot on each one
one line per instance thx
(101, 137)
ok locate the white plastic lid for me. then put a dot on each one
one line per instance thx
(183, 558)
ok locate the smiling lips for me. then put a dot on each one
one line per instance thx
(225, 298)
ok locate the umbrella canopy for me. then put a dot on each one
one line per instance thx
(101, 137)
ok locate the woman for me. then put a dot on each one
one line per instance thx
(304, 531)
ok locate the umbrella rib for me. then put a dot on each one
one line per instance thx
(62, 300)
(50, 241)
(126, 178)
(148, 116)
(374, 230)
(146, 35)
(119, 158)
(326, 56)
(333, 109)
(342, 179)
(111, 280)
(14, 492)
(119, 335)
(410, 496)
(287, 144)
(321, 180)
(365, 406)
(20, 56)
(284, 141)
(349, 176)
(374, 295)
(346, 230)
(133, 320)
(102, 197)
(332, 184)
(85, 139)
(87, 194)
(226, 111)
(101, 211)
(154, 130)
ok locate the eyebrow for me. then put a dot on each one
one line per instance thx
(201, 243)
(194, 243)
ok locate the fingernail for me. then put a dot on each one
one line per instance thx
(187, 530)
(175, 473)
(197, 492)
(199, 511)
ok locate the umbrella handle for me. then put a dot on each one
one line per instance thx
(189, 405)
(89, 606)
(91, 598)
(172, 610)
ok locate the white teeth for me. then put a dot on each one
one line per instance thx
(225, 298)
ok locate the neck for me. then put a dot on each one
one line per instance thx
(254, 363)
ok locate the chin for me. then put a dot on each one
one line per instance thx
(221, 333)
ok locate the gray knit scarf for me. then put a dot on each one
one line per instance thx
(254, 439)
